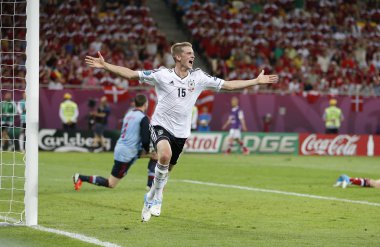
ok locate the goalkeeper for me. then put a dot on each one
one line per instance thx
(135, 133)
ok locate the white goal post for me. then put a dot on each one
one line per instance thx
(32, 112)
(19, 113)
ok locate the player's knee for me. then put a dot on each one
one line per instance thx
(165, 157)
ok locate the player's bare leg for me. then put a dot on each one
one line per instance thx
(365, 182)
(244, 149)
(111, 182)
(155, 196)
(374, 183)
(230, 145)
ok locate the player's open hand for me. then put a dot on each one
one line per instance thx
(96, 62)
(266, 79)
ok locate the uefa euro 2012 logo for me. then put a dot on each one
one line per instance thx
(191, 85)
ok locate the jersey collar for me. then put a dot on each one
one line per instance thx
(188, 73)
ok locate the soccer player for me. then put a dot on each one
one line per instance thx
(153, 160)
(236, 122)
(177, 91)
(345, 180)
(8, 111)
(134, 134)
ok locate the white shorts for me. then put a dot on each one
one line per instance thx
(235, 133)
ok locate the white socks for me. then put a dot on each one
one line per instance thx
(160, 179)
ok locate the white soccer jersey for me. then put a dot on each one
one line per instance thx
(176, 97)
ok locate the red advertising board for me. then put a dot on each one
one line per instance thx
(339, 145)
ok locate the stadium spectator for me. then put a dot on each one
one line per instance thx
(204, 120)
(333, 117)
(21, 110)
(267, 122)
(90, 26)
(8, 111)
(100, 122)
(172, 117)
(276, 33)
(68, 113)
(309, 38)
(236, 122)
(344, 180)
(134, 134)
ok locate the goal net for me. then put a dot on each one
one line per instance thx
(18, 83)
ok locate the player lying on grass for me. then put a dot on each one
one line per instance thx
(134, 134)
(177, 91)
(345, 180)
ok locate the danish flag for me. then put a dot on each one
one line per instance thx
(206, 98)
(357, 103)
(115, 94)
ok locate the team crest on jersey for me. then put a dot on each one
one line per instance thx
(191, 85)
(160, 132)
(147, 72)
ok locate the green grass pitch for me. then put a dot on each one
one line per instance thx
(202, 215)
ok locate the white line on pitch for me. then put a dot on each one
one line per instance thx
(77, 236)
(279, 192)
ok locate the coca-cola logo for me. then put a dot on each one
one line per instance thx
(340, 145)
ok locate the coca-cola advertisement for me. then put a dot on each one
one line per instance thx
(339, 145)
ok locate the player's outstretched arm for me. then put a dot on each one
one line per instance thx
(240, 84)
(100, 63)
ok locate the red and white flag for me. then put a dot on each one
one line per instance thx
(311, 96)
(115, 94)
(206, 99)
(357, 103)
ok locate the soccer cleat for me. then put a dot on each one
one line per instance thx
(155, 210)
(77, 181)
(342, 181)
(145, 213)
(246, 151)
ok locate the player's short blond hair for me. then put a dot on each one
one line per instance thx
(177, 48)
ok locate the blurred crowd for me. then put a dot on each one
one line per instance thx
(122, 30)
(328, 46)
(331, 46)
